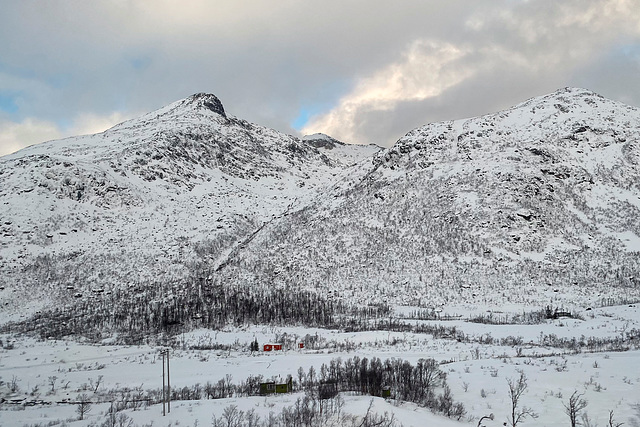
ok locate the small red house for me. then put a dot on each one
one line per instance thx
(272, 347)
(301, 345)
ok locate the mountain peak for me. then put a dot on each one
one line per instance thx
(321, 140)
(574, 91)
(568, 96)
(208, 101)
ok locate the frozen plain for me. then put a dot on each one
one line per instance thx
(477, 373)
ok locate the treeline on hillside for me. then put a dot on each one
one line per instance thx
(423, 383)
(158, 309)
(403, 380)
(419, 384)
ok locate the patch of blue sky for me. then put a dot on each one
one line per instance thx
(8, 103)
(12, 70)
(304, 115)
(327, 99)
(53, 80)
(624, 55)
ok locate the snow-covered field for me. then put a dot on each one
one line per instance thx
(188, 216)
(45, 375)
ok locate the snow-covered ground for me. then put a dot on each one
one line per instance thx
(477, 373)
(490, 217)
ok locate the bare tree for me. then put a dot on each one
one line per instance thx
(228, 385)
(115, 419)
(516, 389)
(52, 382)
(34, 390)
(252, 419)
(586, 421)
(13, 384)
(95, 384)
(232, 416)
(574, 406)
(611, 422)
(301, 376)
(371, 419)
(84, 406)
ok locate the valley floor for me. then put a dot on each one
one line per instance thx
(38, 377)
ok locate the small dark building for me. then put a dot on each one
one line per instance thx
(272, 387)
(386, 392)
(272, 347)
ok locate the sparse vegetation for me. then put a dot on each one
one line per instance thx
(225, 227)
(519, 412)
(574, 406)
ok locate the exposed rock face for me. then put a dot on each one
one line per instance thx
(209, 101)
(320, 140)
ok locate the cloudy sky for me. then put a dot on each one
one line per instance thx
(360, 70)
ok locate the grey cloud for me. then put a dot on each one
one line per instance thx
(267, 59)
(549, 48)
(613, 74)
(468, 99)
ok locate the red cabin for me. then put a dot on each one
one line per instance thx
(268, 347)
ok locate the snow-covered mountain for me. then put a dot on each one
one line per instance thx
(148, 199)
(532, 204)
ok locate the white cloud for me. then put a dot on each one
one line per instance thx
(87, 123)
(17, 135)
(14, 136)
(532, 47)
(426, 70)
(385, 67)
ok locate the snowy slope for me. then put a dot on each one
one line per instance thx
(338, 150)
(530, 205)
(535, 204)
(147, 200)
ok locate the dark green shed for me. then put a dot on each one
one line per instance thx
(272, 387)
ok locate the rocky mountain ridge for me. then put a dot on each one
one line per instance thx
(529, 205)
(148, 198)
(534, 204)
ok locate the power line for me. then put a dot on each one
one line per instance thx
(164, 412)
(166, 397)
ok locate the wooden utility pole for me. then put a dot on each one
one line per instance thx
(168, 385)
(163, 397)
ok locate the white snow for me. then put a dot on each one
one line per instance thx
(609, 380)
(185, 184)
